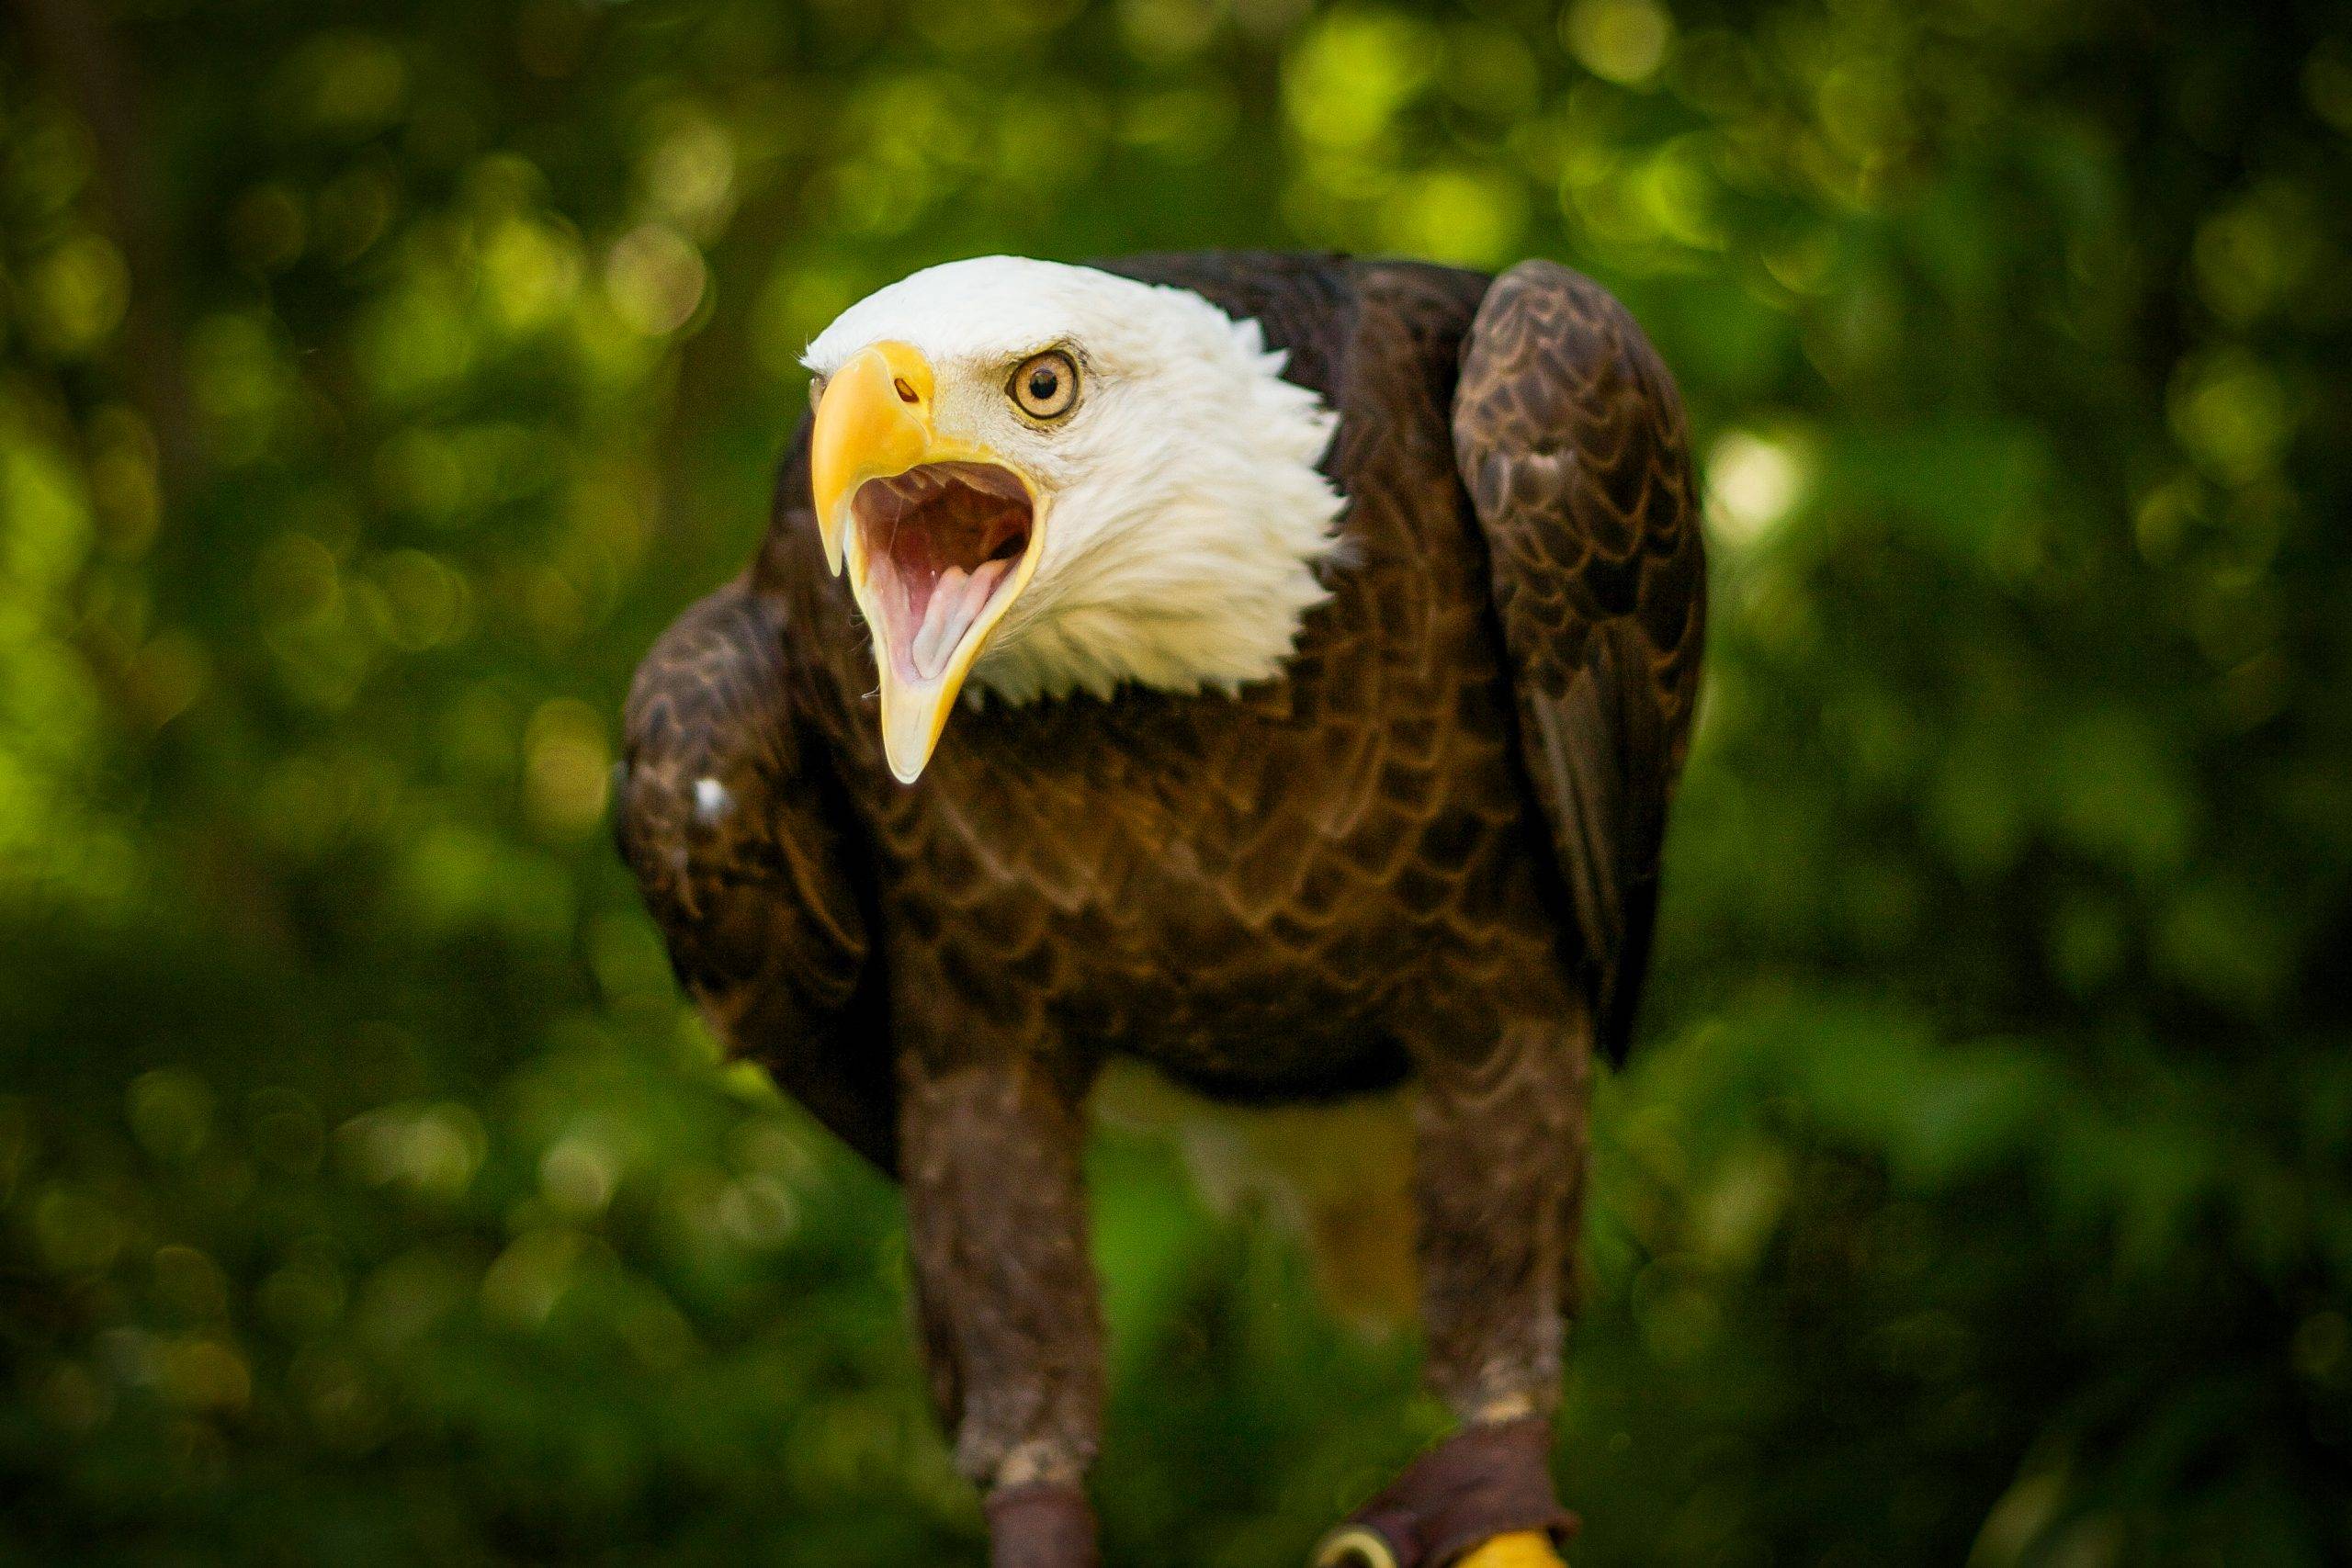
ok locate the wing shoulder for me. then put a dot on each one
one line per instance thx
(1570, 441)
(743, 846)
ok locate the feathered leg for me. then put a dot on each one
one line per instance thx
(996, 1215)
(1498, 1160)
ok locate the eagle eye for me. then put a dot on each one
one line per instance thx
(1045, 385)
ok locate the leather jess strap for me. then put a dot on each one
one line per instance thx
(1482, 1482)
(1041, 1524)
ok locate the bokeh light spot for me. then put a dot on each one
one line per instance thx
(1623, 40)
(656, 278)
(1753, 484)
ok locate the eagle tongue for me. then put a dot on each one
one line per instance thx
(933, 640)
(956, 600)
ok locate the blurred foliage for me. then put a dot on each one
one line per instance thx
(377, 380)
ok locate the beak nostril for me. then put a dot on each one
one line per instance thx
(906, 394)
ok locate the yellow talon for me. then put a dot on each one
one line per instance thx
(1522, 1549)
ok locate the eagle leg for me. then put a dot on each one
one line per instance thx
(1498, 1179)
(1011, 1325)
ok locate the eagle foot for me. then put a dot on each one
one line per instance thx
(1482, 1498)
(1520, 1549)
(1041, 1524)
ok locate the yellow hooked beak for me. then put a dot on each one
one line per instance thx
(875, 423)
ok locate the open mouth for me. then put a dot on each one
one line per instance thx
(940, 543)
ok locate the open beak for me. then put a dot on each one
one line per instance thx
(938, 538)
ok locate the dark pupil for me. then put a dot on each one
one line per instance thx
(1042, 384)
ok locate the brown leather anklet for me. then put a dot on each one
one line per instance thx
(1041, 1524)
(1482, 1482)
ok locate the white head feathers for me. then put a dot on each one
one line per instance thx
(1184, 512)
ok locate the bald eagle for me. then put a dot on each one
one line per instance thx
(1266, 672)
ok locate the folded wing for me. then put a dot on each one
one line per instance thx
(730, 817)
(1570, 438)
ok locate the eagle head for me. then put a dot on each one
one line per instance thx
(1051, 478)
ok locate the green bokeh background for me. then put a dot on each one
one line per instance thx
(376, 380)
